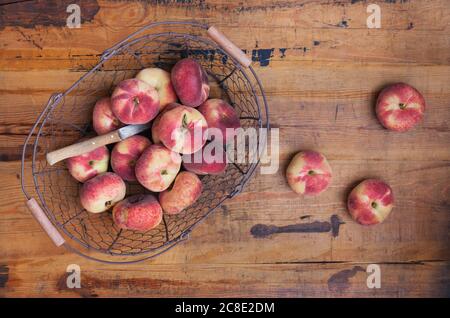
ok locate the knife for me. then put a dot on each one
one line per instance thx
(93, 143)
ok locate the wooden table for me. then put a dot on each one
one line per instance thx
(321, 68)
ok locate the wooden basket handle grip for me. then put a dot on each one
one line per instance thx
(229, 46)
(43, 220)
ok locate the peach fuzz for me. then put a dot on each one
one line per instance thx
(182, 129)
(141, 212)
(102, 192)
(309, 173)
(88, 165)
(220, 115)
(190, 82)
(370, 202)
(103, 119)
(125, 155)
(400, 107)
(185, 191)
(135, 102)
(161, 81)
(157, 167)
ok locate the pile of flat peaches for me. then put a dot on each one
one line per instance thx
(167, 164)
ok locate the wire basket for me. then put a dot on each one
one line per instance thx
(67, 118)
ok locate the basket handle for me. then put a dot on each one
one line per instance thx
(45, 223)
(229, 46)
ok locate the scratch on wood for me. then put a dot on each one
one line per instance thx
(336, 112)
(339, 281)
(4, 275)
(29, 39)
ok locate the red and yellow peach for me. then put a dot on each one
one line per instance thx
(161, 81)
(135, 102)
(125, 155)
(190, 82)
(88, 165)
(220, 115)
(370, 202)
(102, 192)
(155, 123)
(181, 129)
(208, 160)
(157, 167)
(185, 191)
(309, 173)
(400, 107)
(141, 212)
(103, 119)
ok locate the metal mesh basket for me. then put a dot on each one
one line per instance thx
(67, 118)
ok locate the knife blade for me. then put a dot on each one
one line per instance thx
(94, 143)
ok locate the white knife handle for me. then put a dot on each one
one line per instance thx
(82, 147)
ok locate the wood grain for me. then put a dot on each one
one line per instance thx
(321, 69)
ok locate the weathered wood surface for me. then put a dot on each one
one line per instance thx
(321, 69)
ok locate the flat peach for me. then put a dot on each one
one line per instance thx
(185, 191)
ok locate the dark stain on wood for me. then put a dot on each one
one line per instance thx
(262, 56)
(343, 24)
(4, 275)
(263, 230)
(84, 292)
(29, 14)
(225, 210)
(340, 281)
(90, 284)
(335, 225)
(15, 153)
